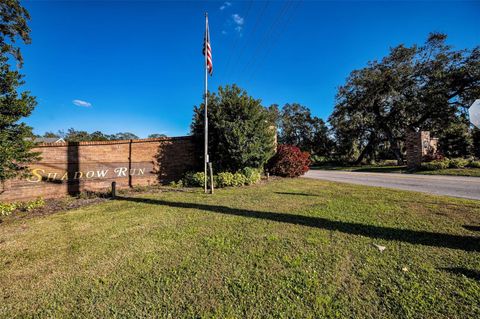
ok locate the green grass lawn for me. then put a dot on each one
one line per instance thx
(467, 171)
(454, 172)
(294, 248)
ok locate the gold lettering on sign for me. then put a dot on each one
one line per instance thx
(39, 174)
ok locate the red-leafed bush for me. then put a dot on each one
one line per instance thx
(289, 161)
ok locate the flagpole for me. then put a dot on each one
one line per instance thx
(206, 105)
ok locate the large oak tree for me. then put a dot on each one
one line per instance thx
(297, 126)
(424, 87)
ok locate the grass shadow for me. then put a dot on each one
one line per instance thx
(387, 169)
(439, 201)
(461, 242)
(472, 227)
(296, 194)
(469, 273)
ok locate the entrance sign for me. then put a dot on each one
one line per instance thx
(474, 112)
(100, 172)
(72, 168)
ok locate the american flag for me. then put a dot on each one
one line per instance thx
(206, 43)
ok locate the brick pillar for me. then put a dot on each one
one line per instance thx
(418, 145)
(414, 146)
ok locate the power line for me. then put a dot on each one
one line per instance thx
(275, 40)
(257, 23)
(274, 36)
(265, 39)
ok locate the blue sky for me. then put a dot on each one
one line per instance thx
(136, 66)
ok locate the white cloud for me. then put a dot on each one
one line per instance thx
(82, 103)
(225, 5)
(237, 19)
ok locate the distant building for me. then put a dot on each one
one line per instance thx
(48, 140)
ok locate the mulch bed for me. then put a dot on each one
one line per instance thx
(56, 205)
(53, 206)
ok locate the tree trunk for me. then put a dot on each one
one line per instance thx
(396, 151)
(364, 152)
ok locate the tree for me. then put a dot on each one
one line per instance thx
(298, 127)
(241, 132)
(51, 134)
(274, 115)
(413, 88)
(15, 137)
(124, 136)
(73, 135)
(156, 135)
(99, 136)
(476, 142)
(455, 140)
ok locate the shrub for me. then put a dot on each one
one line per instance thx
(458, 163)
(7, 208)
(224, 179)
(319, 160)
(432, 166)
(289, 161)
(192, 179)
(31, 205)
(474, 164)
(241, 131)
(252, 175)
(247, 176)
(433, 157)
(388, 162)
(238, 179)
(178, 184)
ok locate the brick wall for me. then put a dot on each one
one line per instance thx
(68, 168)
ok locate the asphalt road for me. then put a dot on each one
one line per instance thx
(457, 186)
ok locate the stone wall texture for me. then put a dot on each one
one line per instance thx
(69, 168)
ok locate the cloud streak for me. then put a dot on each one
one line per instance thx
(239, 21)
(225, 5)
(82, 103)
